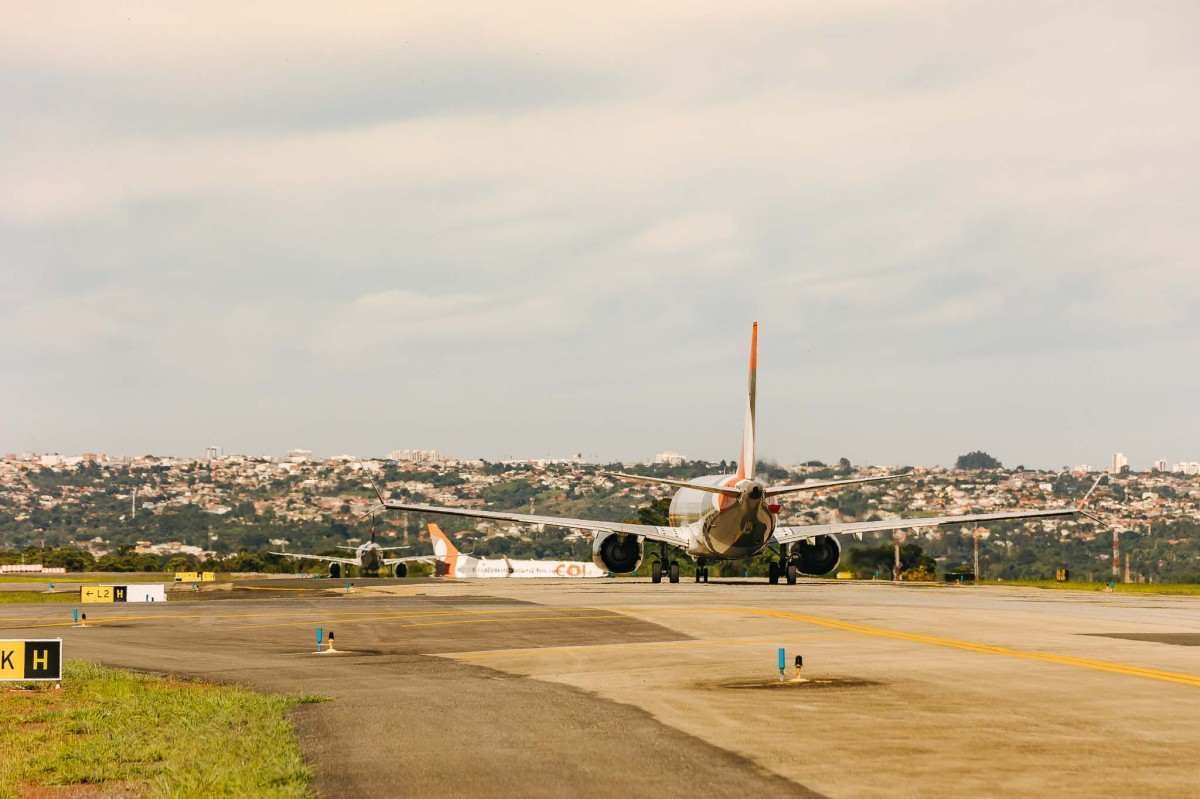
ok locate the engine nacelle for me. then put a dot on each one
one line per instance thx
(335, 570)
(817, 556)
(401, 570)
(619, 554)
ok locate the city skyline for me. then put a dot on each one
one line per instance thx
(1117, 463)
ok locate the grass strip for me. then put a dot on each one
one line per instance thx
(1120, 588)
(36, 597)
(109, 730)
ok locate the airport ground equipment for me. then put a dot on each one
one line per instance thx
(729, 517)
(25, 660)
(195, 577)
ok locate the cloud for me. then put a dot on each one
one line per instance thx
(914, 199)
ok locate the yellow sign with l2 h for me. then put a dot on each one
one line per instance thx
(90, 594)
(22, 659)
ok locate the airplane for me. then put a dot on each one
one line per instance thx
(729, 517)
(452, 563)
(368, 559)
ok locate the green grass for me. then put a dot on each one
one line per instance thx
(149, 736)
(35, 597)
(1121, 588)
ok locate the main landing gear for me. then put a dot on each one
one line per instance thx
(656, 571)
(656, 568)
(701, 572)
(785, 567)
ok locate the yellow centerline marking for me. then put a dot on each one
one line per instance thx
(968, 646)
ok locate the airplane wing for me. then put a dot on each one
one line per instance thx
(789, 489)
(676, 536)
(788, 535)
(326, 558)
(410, 559)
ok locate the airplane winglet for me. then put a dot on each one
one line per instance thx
(1088, 495)
(378, 493)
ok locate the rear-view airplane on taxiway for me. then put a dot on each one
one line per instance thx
(729, 517)
(369, 558)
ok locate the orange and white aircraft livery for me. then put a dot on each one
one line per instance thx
(729, 517)
(452, 563)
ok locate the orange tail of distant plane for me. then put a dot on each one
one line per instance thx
(444, 548)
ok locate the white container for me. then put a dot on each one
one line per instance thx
(148, 592)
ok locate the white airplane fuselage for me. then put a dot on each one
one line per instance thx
(467, 567)
(370, 557)
(723, 527)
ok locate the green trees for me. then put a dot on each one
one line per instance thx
(656, 513)
(977, 460)
(878, 561)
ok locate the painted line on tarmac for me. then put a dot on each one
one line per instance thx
(1179, 678)
(404, 626)
(341, 615)
(480, 654)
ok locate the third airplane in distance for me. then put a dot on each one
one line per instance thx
(728, 517)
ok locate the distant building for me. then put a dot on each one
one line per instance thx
(1119, 463)
(1160, 465)
(1187, 467)
(31, 568)
(299, 455)
(669, 458)
(416, 455)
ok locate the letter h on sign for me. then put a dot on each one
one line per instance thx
(43, 660)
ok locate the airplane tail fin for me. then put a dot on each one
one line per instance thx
(443, 547)
(747, 455)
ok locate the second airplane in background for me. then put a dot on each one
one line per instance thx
(449, 562)
(729, 517)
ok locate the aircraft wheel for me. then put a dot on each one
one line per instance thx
(674, 571)
(656, 571)
(773, 573)
(699, 575)
(792, 571)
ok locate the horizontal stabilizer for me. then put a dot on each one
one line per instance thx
(774, 491)
(637, 478)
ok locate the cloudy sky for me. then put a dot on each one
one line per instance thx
(527, 229)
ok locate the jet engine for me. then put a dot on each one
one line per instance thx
(817, 556)
(619, 554)
(401, 570)
(335, 570)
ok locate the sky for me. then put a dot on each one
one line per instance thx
(535, 229)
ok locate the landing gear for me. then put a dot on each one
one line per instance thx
(792, 571)
(773, 573)
(702, 574)
(674, 572)
(656, 571)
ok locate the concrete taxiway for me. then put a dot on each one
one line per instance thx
(617, 686)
